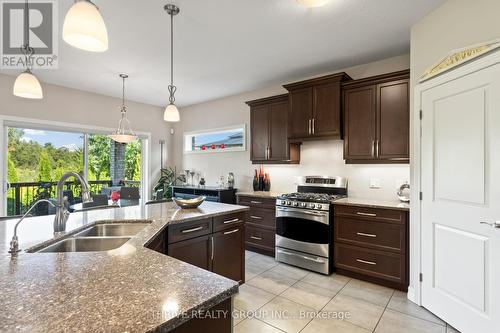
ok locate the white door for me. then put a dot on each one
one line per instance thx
(460, 181)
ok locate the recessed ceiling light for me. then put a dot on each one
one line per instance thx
(312, 3)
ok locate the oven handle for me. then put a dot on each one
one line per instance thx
(315, 260)
(286, 209)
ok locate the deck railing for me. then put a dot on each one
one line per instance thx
(20, 196)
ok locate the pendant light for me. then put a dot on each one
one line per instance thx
(84, 27)
(124, 133)
(171, 113)
(26, 84)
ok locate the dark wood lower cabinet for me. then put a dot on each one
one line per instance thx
(260, 231)
(372, 244)
(215, 244)
(196, 251)
(228, 259)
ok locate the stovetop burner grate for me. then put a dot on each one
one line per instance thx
(312, 197)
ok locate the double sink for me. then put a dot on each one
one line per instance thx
(100, 237)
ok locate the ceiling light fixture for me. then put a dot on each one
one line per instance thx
(312, 3)
(171, 113)
(26, 84)
(84, 27)
(124, 133)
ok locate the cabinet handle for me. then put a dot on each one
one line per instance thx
(313, 130)
(366, 214)
(187, 231)
(377, 146)
(256, 238)
(268, 153)
(255, 217)
(309, 126)
(231, 232)
(256, 202)
(212, 248)
(231, 221)
(366, 235)
(373, 148)
(366, 262)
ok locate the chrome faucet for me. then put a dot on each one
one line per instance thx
(62, 212)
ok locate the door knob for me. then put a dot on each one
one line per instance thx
(494, 224)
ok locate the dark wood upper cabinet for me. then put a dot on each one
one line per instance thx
(269, 128)
(315, 108)
(376, 119)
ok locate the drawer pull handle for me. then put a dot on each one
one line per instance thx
(256, 238)
(187, 231)
(255, 217)
(366, 262)
(231, 232)
(366, 214)
(366, 235)
(231, 221)
(256, 202)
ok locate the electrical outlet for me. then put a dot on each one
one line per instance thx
(374, 183)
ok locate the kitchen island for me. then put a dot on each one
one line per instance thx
(131, 288)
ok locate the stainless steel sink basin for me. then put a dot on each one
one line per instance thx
(112, 230)
(86, 244)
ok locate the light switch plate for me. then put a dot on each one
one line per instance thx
(374, 183)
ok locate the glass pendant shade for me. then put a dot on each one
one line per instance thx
(123, 138)
(312, 3)
(84, 27)
(171, 113)
(27, 86)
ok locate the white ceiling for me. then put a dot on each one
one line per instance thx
(223, 47)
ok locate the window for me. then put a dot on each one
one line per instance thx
(37, 159)
(216, 140)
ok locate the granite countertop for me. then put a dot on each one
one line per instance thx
(130, 289)
(392, 204)
(260, 194)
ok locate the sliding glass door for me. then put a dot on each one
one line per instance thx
(35, 160)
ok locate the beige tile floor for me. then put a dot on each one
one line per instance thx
(280, 298)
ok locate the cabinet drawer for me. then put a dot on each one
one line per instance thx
(381, 214)
(262, 217)
(261, 238)
(228, 221)
(188, 230)
(385, 265)
(379, 235)
(257, 201)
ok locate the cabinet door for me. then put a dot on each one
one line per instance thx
(279, 147)
(301, 103)
(359, 123)
(326, 110)
(393, 121)
(194, 251)
(259, 124)
(228, 253)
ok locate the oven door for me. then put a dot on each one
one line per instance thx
(303, 230)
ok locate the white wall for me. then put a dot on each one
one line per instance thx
(317, 157)
(455, 24)
(89, 109)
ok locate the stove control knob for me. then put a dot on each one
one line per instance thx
(283, 202)
(312, 205)
(319, 206)
(288, 203)
(295, 204)
(303, 204)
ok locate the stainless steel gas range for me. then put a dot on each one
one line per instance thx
(304, 223)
